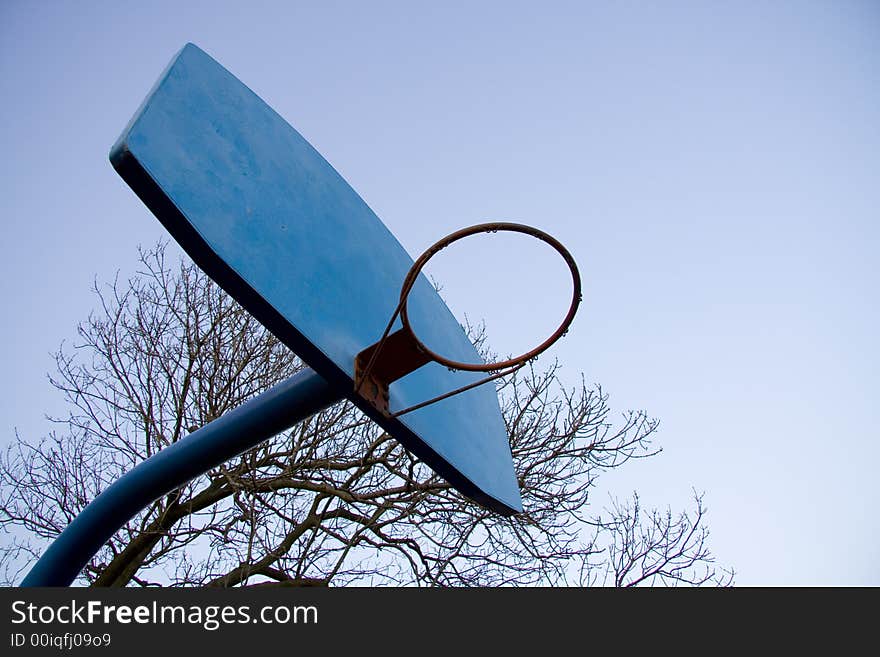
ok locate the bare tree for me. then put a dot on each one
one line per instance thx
(335, 500)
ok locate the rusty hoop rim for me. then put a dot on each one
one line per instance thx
(492, 227)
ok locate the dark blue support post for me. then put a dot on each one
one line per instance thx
(259, 419)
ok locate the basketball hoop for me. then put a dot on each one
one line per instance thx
(403, 352)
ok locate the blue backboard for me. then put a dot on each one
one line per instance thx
(271, 221)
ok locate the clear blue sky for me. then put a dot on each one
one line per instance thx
(714, 167)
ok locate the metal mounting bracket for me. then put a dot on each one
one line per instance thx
(392, 359)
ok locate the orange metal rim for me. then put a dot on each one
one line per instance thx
(493, 227)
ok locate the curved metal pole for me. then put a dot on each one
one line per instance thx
(258, 419)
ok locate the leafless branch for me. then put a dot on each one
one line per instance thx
(334, 500)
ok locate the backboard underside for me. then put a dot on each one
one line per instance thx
(263, 214)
